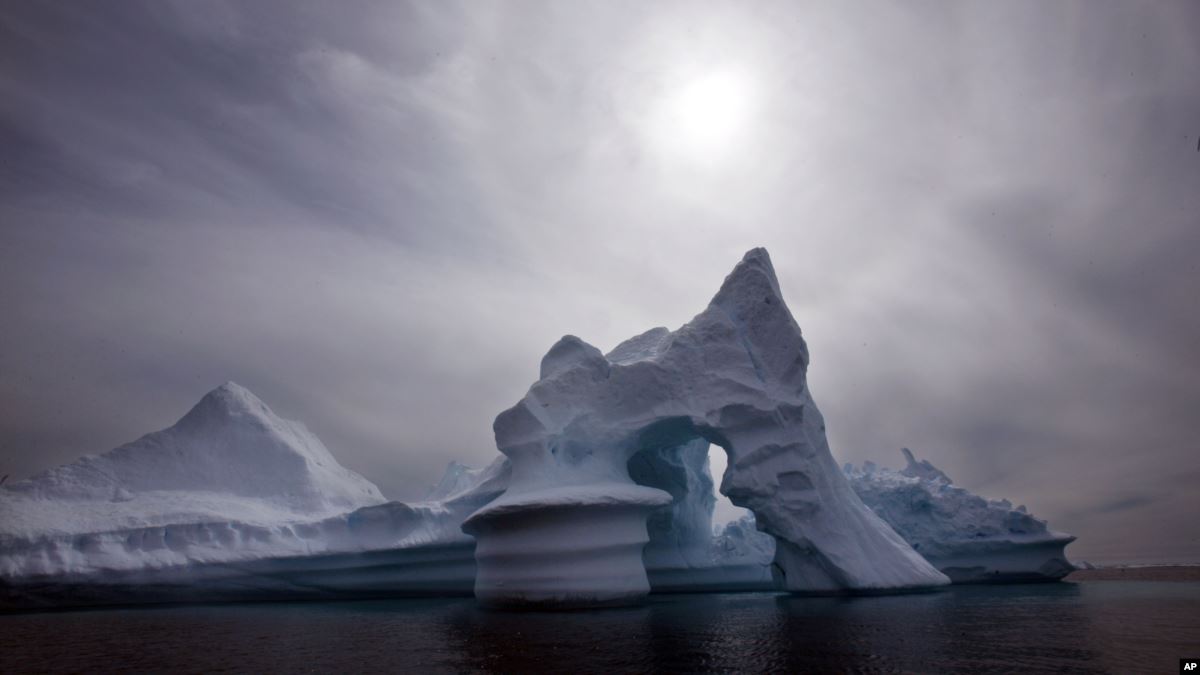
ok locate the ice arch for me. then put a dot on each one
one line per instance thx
(571, 526)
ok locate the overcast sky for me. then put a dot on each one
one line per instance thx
(378, 216)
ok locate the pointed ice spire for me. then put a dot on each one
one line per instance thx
(568, 351)
(750, 296)
(921, 469)
(753, 277)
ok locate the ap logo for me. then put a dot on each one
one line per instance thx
(1189, 666)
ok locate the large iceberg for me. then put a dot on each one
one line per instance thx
(967, 537)
(231, 502)
(602, 493)
(571, 527)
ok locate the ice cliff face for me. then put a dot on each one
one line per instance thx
(735, 376)
(967, 537)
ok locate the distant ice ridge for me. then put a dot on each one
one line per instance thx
(459, 479)
(967, 537)
(571, 527)
(229, 499)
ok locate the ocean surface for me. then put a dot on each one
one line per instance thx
(1085, 627)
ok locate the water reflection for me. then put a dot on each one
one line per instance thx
(1125, 627)
(1027, 628)
(505, 641)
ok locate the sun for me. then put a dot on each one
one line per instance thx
(705, 117)
(712, 108)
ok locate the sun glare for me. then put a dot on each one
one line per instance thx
(707, 114)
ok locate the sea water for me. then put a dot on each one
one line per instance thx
(1086, 627)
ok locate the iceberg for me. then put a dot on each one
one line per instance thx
(602, 492)
(969, 538)
(231, 502)
(571, 527)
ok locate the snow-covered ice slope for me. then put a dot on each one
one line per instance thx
(233, 497)
(967, 537)
(735, 375)
(229, 458)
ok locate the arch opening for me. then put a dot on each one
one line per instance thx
(687, 548)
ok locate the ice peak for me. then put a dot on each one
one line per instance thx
(921, 469)
(568, 351)
(228, 401)
(234, 395)
(644, 346)
(230, 442)
(751, 300)
(749, 279)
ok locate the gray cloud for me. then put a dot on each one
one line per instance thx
(1124, 504)
(379, 215)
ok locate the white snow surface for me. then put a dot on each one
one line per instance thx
(735, 375)
(966, 536)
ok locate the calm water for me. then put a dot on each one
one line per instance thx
(1116, 627)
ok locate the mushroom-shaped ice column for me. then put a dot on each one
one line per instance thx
(571, 527)
(736, 376)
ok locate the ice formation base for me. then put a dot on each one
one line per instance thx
(440, 570)
(564, 547)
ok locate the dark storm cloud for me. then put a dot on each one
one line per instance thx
(378, 216)
(137, 110)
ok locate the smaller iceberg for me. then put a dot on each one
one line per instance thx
(231, 503)
(969, 538)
